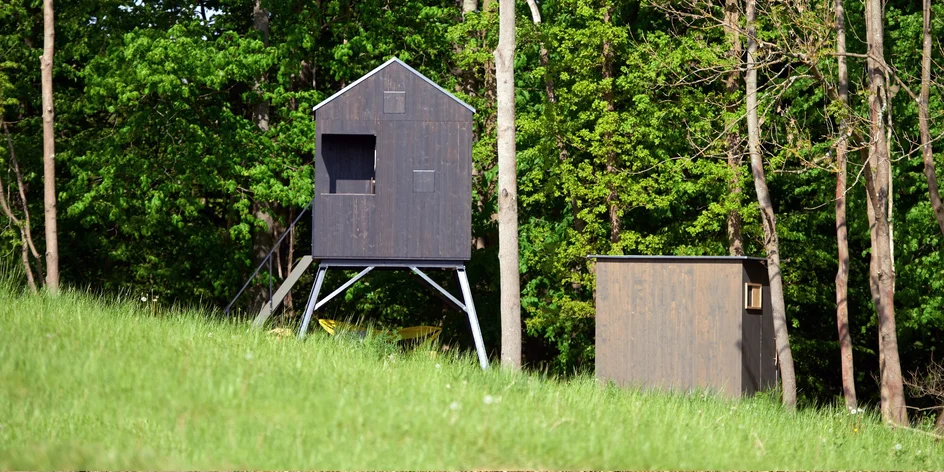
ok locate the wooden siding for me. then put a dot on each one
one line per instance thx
(761, 355)
(398, 221)
(670, 323)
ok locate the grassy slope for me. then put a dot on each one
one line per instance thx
(87, 384)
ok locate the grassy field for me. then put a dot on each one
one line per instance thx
(86, 384)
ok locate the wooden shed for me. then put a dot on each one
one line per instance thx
(684, 323)
(393, 170)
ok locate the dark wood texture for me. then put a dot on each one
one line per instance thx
(764, 361)
(421, 206)
(679, 324)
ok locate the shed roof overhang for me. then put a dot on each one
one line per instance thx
(684, 258)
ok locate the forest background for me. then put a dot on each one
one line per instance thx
(184, 139)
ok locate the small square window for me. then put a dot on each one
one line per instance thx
(424, 181)
(394, 102)
(753, 296)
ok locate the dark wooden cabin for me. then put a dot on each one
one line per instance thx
(393, 170)
(685, 323)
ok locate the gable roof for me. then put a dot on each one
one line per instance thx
(381, 67)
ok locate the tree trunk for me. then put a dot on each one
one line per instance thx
(262, 239)
(612, 198)
(508, 189)
(26, 229)
(26, 234)
(771, 242)
(878, 187)
(842, 239)
(469, 6)
(24, 245)
(889, 126)
(21, 191)
(732, 14)
(260, 22)
(536, 18)
(870, 214)
(49, 152)
(924, 120)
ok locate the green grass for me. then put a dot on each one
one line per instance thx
(87, 384)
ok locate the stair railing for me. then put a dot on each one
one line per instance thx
(267, 261)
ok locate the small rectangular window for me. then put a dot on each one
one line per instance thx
(753, 296)
(424, 181)
(350, 161)
(394, 102)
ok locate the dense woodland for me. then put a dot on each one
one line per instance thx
(184, 140)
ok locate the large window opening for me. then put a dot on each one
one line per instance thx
(351, 162)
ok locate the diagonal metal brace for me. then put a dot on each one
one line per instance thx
(448, 296)
(342, 288)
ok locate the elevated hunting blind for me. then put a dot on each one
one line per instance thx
(393, 187)
(393, 177)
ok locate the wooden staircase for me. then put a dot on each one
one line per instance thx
(285, 286)
(273, 304)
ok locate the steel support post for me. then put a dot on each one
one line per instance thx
(312, 300)
(473, 319)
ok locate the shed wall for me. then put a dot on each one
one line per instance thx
(670, 324)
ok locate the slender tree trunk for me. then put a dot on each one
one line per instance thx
(924, 120)
(24, 245)
(874, 289)
(874, 270)
(26, 234)
(878, 187)
(469, 6)
(873, 235)
(842, 239)
(536, 16)
(508, 189)
(612, 198)
(889, 126)
(21, 191)
(49, 151)
(732, 13)
(771, 242)
(263, 239)
(260, 22)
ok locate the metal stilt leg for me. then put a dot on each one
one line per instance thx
(473, 319)
(312, 300)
